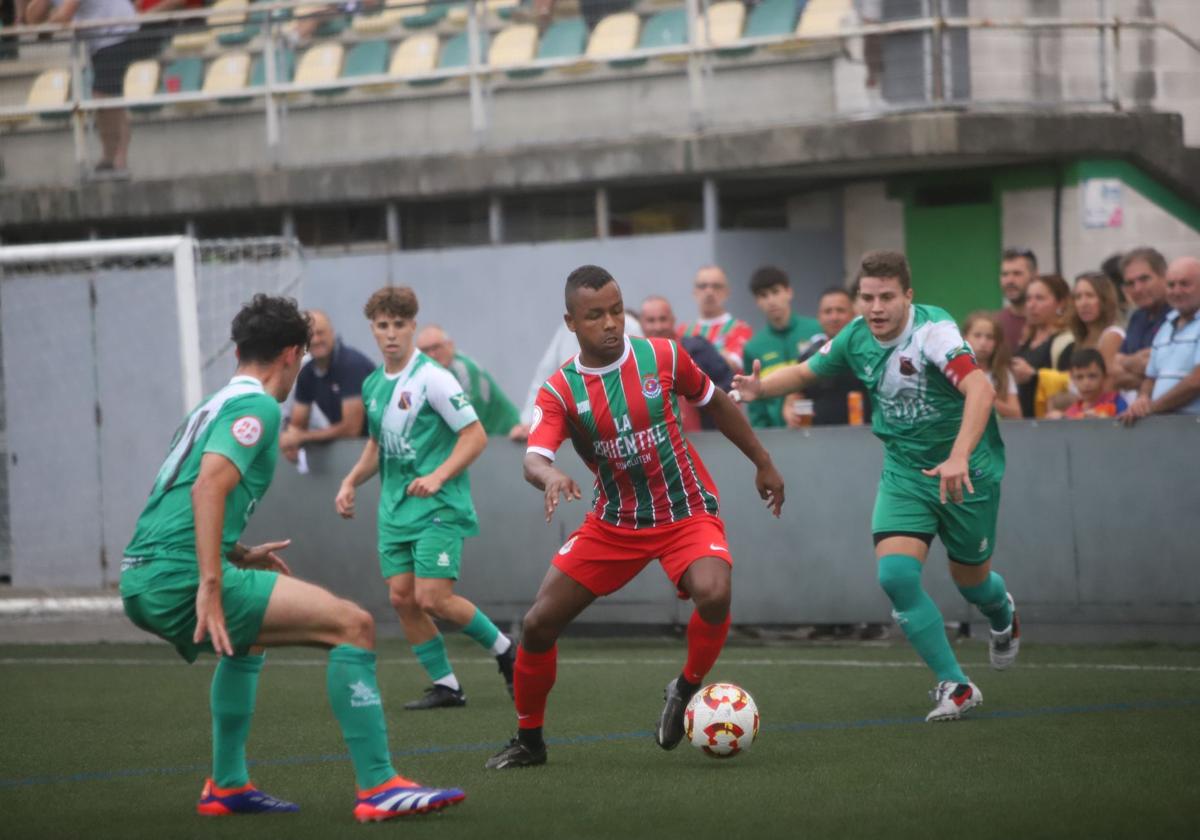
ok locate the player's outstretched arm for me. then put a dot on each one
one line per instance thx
(218, 476)
(553, 482)
(955, 473)
(472, 440)
(750, 387)
(734, 425)
(367, 466)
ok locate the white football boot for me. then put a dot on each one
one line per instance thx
(952, 700)
(1004, 644)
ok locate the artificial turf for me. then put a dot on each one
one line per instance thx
(1068, 743)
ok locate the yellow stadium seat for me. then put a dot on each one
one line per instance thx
(613, 37)
(416, 56)
(457, 16)
(824, 17)
(141, 79)
(369, 22)
(320, 63)
(225, 13)
(513, 45)
(725, 22)
(49, 90)
(228, 73)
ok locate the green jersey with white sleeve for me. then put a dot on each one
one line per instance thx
(415, 417)
(240, 422)
(913, 380)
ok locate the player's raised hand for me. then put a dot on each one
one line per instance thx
(210, 618)
(344, 501)
(748, 387)
(560, 484)
(953, 475)
(265, 557)
(770, 487)
(425, 486)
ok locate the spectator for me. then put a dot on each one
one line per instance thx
(328, 402)
(1172, 383)
(783, 341)
(728, 334)
(1144, 271)
(111, 49)
(1018, 267)
(1088, 375)
(658, 321)
(830, 397)
(1111, 268)
(1094, 316)
(562, 348)
(495, 410)
(983, 331)
(1044, 344)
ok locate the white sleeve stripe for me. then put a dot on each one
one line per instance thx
(557, 396)
(540, 450)
(708, 395)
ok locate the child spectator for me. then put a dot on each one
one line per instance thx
(1089, 375)
(984, 332)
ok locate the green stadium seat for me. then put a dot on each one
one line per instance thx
(565, 38)
(771, 17)
(285, 70)
(183, 75)
(668, 28)
(456, 53)
(366, 58)
(254, 24)
(430, 15)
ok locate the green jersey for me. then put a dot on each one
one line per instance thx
(776, 349)
(916, 407)
(415, 417)
(496, 411)
(240, 422)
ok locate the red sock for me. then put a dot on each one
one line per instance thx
(533, 677)
(704, 646)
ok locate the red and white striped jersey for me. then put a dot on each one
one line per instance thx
(728, 334)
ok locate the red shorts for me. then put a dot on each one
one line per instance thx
(603, 557)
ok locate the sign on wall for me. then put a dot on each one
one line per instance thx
(1102, 204)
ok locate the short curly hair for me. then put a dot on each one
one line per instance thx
(397, 301)
(886, 264)
(266, 326)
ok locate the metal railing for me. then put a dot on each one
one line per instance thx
(696, 56)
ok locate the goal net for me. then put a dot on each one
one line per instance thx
(104, 345)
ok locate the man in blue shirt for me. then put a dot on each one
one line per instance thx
(1173, 373)
(1144, 271)
(328, 396)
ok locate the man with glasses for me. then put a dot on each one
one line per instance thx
(1018, 266)
(715, 325)
(1145, 282)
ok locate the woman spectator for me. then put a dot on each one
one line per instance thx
(984, 333)
(1045, 344)
(1094, 317)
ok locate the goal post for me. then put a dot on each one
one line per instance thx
(104, 345)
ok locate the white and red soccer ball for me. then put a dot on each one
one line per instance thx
(721, 720)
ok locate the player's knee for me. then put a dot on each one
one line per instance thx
(431, 603)
(402, 597)
(712, 597)
(899, 575)
(537, 634)
(357, 626)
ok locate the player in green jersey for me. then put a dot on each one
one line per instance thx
(932, 408)
(424, 433)
(188, 580)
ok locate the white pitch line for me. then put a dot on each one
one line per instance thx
(43, 607)
(769, 663)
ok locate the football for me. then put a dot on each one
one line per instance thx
(721, 720)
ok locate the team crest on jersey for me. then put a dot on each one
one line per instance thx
(246, 430)
(651, 387)
(906, 367)
(405, 400)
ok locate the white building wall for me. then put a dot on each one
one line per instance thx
(871, 221)
(1027, 221)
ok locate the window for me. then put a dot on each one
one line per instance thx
(444, 224)
(549, 217)
(667, 208)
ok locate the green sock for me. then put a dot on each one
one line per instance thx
(433, 658)
(482, 630)
(991, 597)
(234, 686)
(354, 695)
(918, 616)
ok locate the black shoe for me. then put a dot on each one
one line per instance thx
(516, 754)
(670, 724)
(438, 697)
(507, 661)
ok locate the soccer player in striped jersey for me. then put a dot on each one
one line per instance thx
(618, 402)
(716, 326)
(931, 405)
(187, 579)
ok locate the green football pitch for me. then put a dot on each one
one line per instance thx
(112, 741)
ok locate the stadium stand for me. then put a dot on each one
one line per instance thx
(514, 45)
(380, 21)
(321, 63)
(228, 73)
(668, 28)
(614, 36)
(767, 19)
(416, 55)
(565, 38)
(141, 79)
(430, 15)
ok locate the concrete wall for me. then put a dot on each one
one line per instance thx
(871, 220)
(1090, 532)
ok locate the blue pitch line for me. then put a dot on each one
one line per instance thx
(578, 740)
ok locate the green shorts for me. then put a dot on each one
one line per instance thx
(165, 605)
(437, 553)
(911, 506)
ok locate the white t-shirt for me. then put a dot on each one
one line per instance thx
(98, 39)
